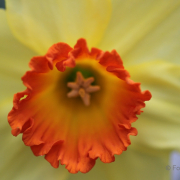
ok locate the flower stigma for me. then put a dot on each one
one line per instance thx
(82, 87)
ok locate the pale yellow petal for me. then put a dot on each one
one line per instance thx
(159, 124)
(17, 161)
(162, 42)
(131, 164)
(135, 164)
(141, 30)
(14, 58)
(39, 24)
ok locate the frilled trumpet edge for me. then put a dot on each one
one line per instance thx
(64, 129)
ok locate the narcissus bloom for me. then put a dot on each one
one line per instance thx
(144, 33)
(77, 127)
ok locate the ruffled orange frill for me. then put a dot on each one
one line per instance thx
(64, 129)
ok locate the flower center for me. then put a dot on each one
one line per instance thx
(82, 87)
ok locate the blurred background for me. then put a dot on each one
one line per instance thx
(175, 160)
(2, 4)
(175, 156)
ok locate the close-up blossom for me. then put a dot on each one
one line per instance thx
(90, 89)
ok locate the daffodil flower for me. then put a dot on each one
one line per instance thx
(105, 25)
(76, 131)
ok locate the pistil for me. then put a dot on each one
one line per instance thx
(82, 87)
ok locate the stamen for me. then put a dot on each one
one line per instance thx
(82, 87)
(82, 92)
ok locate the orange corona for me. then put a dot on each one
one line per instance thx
(78, 106)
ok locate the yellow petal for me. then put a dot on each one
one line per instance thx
(132, 164)
(162, 42)
(14, 58)
(143, 27)
(40, 24)
(15, 162)
(159, 125)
